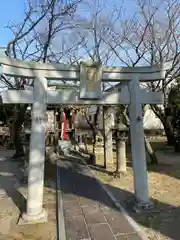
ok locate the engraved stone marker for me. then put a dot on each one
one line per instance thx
(90, 80)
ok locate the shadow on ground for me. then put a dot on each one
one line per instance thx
(13, 202)
(10, 176)
(168, 159)
(75, 170)
(11, 179)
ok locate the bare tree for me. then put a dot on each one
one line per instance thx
(163, 46)
(90, 34)
(33, 39)
(151, 37)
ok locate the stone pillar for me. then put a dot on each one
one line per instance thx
(120, 154)
(76, 136)
(138, 145)
(81, 141)
(85, 143)
(108, 142)
(56, 130)
(55, 120)
(35, 212)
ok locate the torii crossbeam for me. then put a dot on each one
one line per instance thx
(90, 77)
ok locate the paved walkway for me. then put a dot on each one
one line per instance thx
(89, 213)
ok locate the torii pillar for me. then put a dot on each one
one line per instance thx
(135, 97)
(34, 209)
(138, 146)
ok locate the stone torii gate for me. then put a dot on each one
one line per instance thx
(90, 77)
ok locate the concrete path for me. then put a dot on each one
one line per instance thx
(88, 212)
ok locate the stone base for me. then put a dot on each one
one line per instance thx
(141, 206)
(29, 219)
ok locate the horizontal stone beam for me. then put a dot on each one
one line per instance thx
(64, 72)
(72, 97)
(17, 96)
(151, 97)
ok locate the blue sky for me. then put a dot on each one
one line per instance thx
(10, 11)
(13, 11)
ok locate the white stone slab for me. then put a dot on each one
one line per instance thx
(72, 97)
(12, 67)
(90, 80)
(17, 96)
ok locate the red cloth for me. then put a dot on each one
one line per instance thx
(65, 128)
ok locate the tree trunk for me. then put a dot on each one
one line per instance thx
(150, 151)
(12, 134)
(93, 126)
(169, 131)
(166, 121)
(18, 128)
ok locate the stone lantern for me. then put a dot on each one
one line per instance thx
(121, 137)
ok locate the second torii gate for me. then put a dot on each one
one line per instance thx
(90, 77)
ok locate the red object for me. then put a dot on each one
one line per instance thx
(65, 128)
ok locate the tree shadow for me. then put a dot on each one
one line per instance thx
(76, 180)
(171, 170)
(101, 169)
(163, 218)
(168, 160)
(11, 180)
(10, 176)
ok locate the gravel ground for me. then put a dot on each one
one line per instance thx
(161, 222)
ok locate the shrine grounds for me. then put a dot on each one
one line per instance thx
(161, 222)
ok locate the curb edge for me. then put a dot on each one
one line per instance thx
(133, 223)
